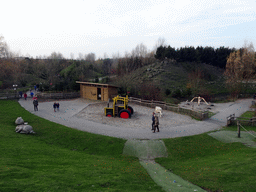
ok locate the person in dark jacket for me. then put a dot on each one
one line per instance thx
(58, 106)
(156, 124)
(54, 106)
(35, 102)
(153, 120)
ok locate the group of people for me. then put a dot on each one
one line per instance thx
(155, 123)
(56, 106)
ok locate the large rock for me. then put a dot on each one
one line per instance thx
(24, 129)
(19, 121)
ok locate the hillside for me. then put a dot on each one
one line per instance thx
(172, 75)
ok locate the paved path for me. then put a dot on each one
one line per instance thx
(68, 110)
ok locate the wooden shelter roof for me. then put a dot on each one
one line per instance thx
(96, 84)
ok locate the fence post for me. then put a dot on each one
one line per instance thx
(238, 129)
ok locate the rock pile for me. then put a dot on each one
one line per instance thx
(23, 127)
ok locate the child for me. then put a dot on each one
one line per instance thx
(54, 106)
(25, 96)
(58, 106)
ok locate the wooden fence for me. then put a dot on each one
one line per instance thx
(58, 95)
(9, 95)
(170, 107)
(232, 120)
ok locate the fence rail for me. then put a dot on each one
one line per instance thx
(9, 95)
(58, 95)
(232, 120)
(170, 107)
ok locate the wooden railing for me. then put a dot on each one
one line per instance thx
(9, 95)
(58, 95)
(232, 120)
(170, 107)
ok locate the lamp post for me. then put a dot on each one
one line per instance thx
(15, 89)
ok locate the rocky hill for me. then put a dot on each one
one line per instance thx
(172, 75)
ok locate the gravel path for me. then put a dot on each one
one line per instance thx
(87, 115)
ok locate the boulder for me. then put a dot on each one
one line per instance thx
(19, 121)
(24, 129)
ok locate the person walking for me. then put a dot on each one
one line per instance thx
(31, 94)
(20, 93)
(153, 121)
(54, 106)
(58, 106)
(35, 102)
(25, 96)
(156, 124)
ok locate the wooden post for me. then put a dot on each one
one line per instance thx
(238, 128)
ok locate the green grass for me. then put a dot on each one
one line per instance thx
(248, 114)
(59, 158)
(211, 164)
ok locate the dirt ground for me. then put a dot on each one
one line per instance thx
(141, 117)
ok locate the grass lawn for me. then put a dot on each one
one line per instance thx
(59, 158)
(211, 164)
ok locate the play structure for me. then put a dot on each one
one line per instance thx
(199, 100)
(120, 108)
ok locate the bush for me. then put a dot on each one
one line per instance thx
(167, 92)
(176, 93)
(186, 93)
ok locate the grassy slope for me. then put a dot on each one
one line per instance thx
(173, 75)
(211, 164)
(58, 158)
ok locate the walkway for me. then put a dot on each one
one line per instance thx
(68, 110)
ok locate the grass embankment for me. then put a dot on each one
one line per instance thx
(59, 158)
(211, 164)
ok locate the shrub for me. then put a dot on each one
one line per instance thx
(167, 92)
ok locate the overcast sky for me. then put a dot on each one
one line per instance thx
(111, 26)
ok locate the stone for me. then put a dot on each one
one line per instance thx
(24, 129)
(19, 121)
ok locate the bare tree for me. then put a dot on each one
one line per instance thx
(81, 56)
(160, 42)
(140, 51)
(71, 56)
(115, 57)
(249, 47)
(55, 55)
(90, 57)
(4, 49)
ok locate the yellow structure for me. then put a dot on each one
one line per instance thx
(97, 91)
(120, 108)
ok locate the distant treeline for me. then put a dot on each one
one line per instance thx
(216, 57)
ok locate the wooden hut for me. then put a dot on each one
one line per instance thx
(97, 91)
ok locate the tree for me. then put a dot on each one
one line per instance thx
(72, 56)
(4, 49)
(90, 57)
(240, 69)
(160, 42)
(195, 82)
